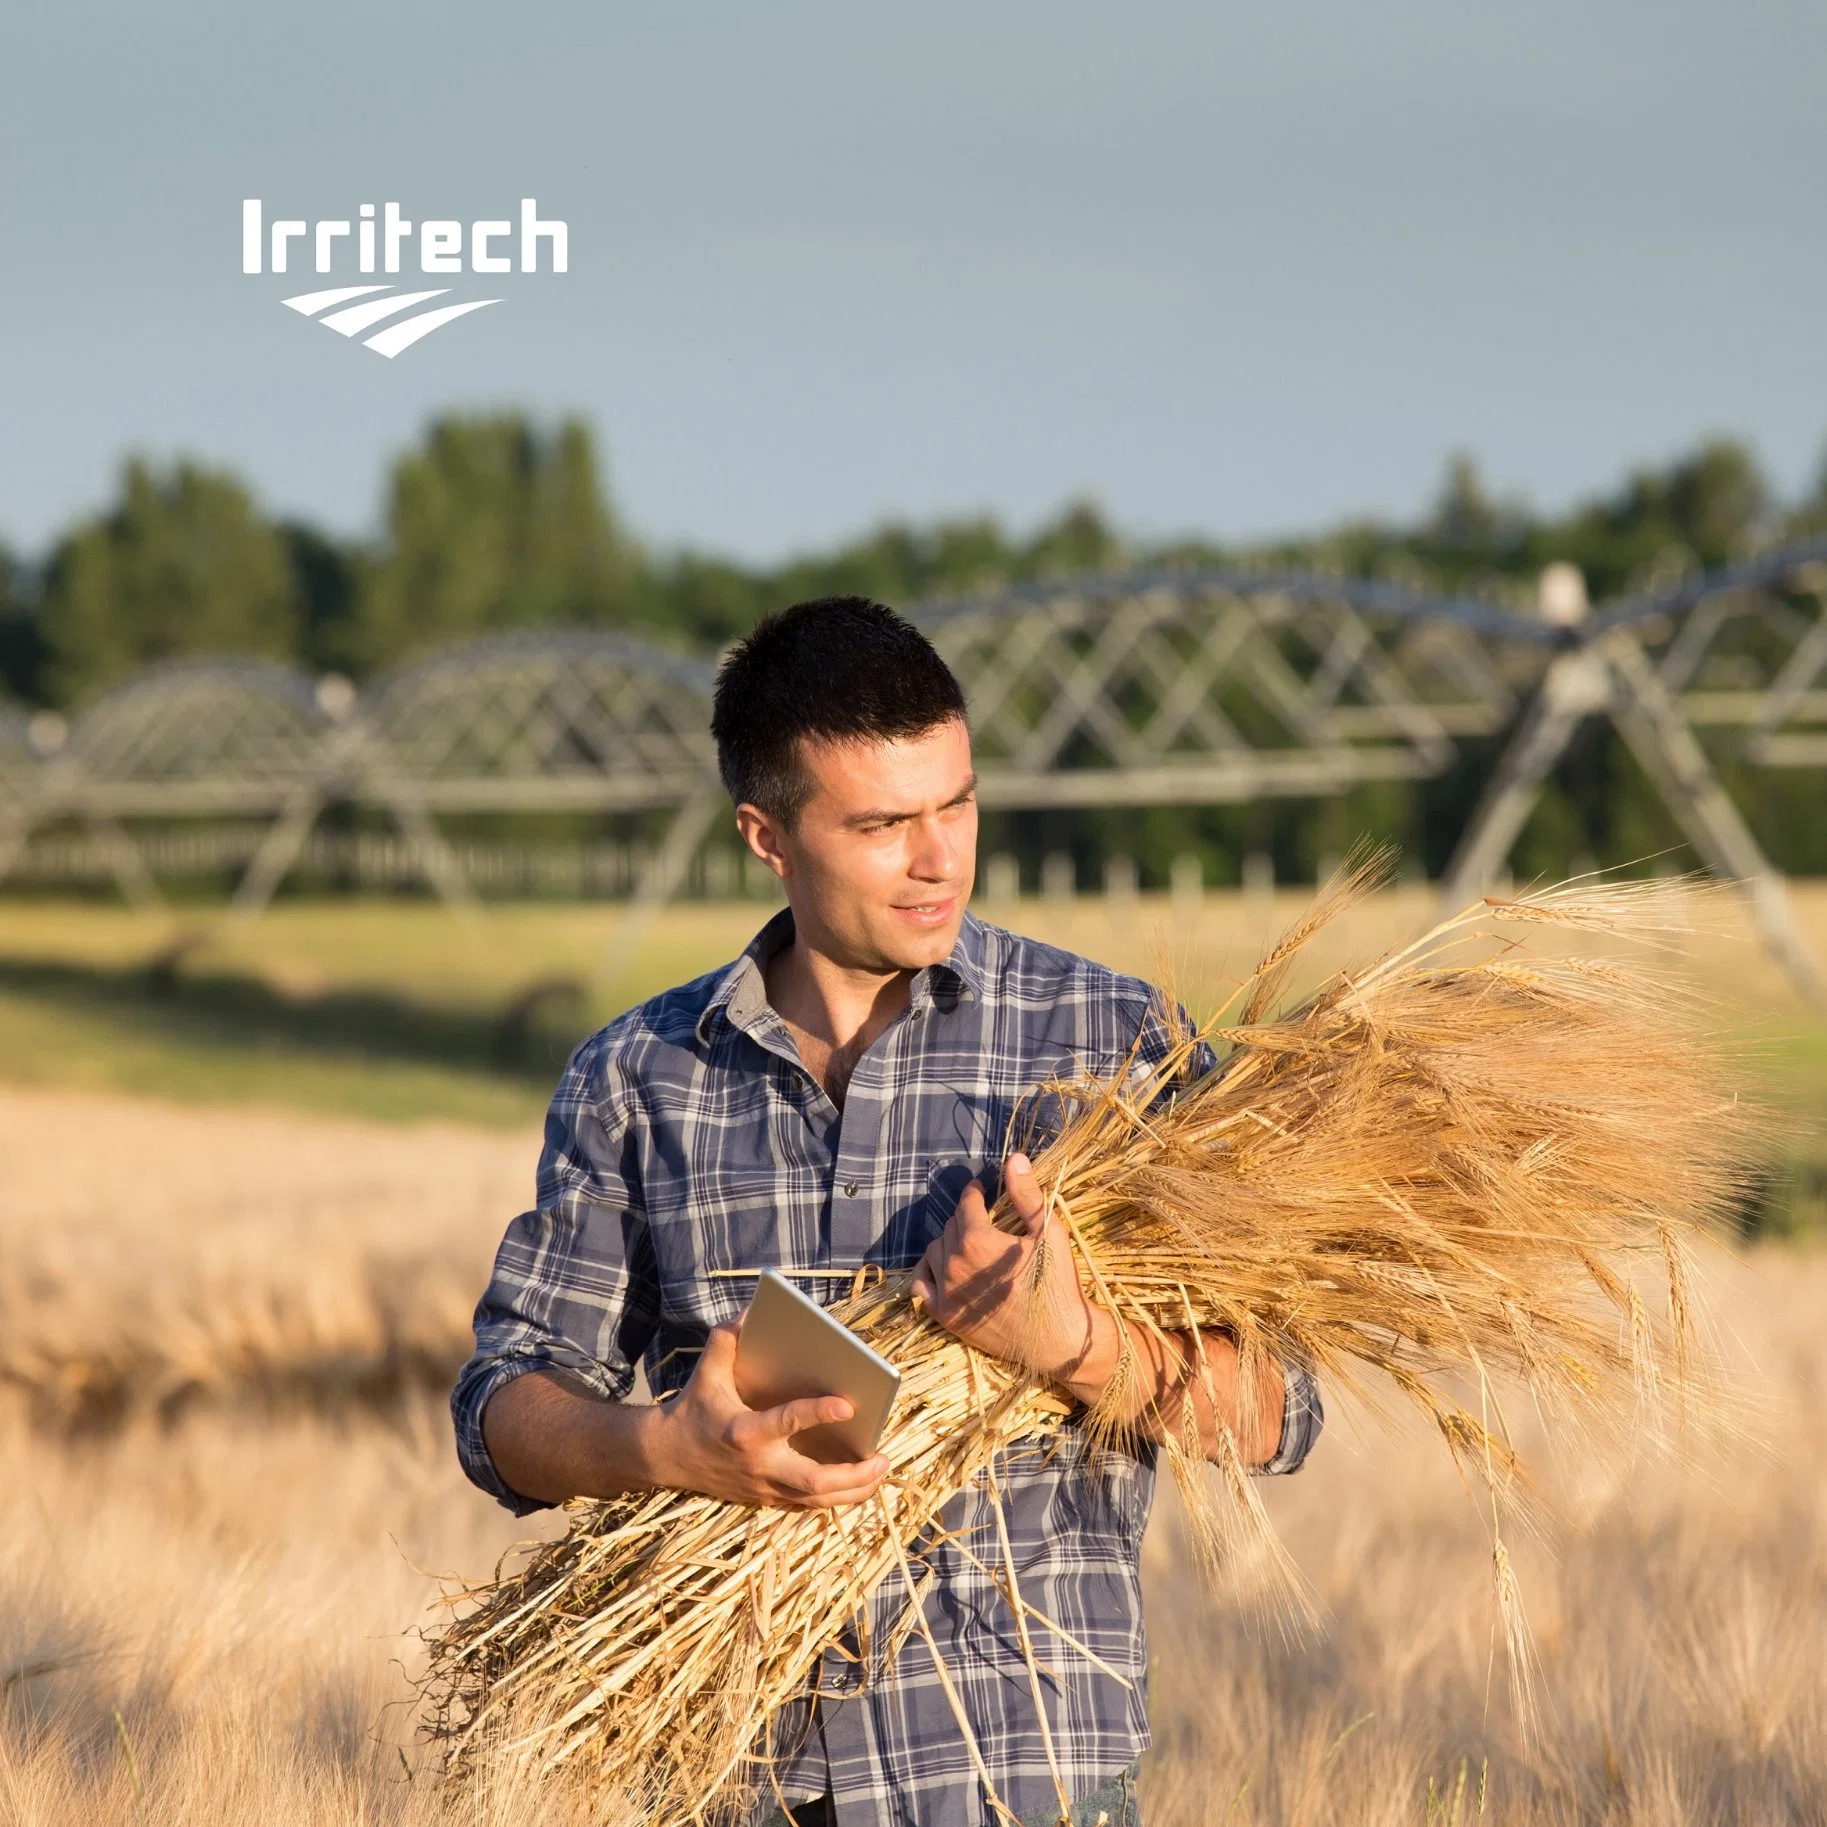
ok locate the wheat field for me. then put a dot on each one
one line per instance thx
(224, 1339)
(208, 1589)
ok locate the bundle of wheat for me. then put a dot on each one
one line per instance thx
(1427, 1179)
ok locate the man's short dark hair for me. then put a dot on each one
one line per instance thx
(841, 669)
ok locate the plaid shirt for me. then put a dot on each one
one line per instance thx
(687, 1138)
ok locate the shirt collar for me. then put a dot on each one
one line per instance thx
(742, 993)
(961, 975)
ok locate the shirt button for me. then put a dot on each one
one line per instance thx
(849, 1189)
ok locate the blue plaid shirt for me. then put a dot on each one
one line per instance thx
(688, 1148)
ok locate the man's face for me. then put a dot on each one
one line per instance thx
(879, 864)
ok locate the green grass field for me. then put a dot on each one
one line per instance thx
(400, 1010)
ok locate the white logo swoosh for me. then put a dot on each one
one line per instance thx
(359, 317)
(403, 335)
(310, 303)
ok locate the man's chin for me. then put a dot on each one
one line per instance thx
(912, 946)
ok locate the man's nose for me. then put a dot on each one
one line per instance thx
(935, 852)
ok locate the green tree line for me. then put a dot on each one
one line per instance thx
(493, 523)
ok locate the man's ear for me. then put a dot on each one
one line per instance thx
(765, 837)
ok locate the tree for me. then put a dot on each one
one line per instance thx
(1705, 509)
(327, 577)
(21, 641)
(707, 602)
(184, 564)
(1464, 518)
(1810, 515)
(1718, 501)
(491, 525)
(1079, 540)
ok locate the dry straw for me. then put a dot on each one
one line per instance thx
(1440, 1178)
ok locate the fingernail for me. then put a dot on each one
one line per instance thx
(1019, 1163)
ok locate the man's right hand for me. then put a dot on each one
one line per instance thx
(552, 1438)
(707, 1439)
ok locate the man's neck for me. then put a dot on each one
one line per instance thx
(835, 1011)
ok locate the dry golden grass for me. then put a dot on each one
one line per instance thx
(206, 1609)
(153, 1255)
(1678, 1629)
(239, 1593)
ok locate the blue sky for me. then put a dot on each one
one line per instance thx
(1222, 269)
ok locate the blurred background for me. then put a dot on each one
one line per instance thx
(1405, 425)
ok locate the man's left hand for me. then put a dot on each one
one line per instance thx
(975, 1280)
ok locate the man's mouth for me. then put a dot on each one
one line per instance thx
(928, 913)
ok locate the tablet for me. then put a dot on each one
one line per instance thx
(790, 1347)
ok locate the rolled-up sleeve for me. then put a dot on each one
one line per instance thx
(574, 1286)
(1303, 1415)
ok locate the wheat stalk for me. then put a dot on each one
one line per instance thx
(1433, 1179)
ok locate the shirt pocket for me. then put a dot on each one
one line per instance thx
(715, 1238)
(952, 1137)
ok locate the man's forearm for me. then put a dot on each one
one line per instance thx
(1168, 1380)
(551, 1440)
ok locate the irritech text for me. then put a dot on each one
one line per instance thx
(440, 249)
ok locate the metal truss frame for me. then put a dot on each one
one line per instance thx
(1741, 650)
(1167, 687)
(1142, 688)
(1129, 690)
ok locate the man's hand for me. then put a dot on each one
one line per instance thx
(708, 1439)
(979, 1282)
(974, 1280)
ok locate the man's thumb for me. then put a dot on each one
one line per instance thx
(1024, 1192)
(720, 1345)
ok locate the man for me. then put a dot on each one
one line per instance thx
(839, 1096)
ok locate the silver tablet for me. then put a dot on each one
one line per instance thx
(791, 1347)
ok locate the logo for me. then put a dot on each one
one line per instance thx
(440, 250)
